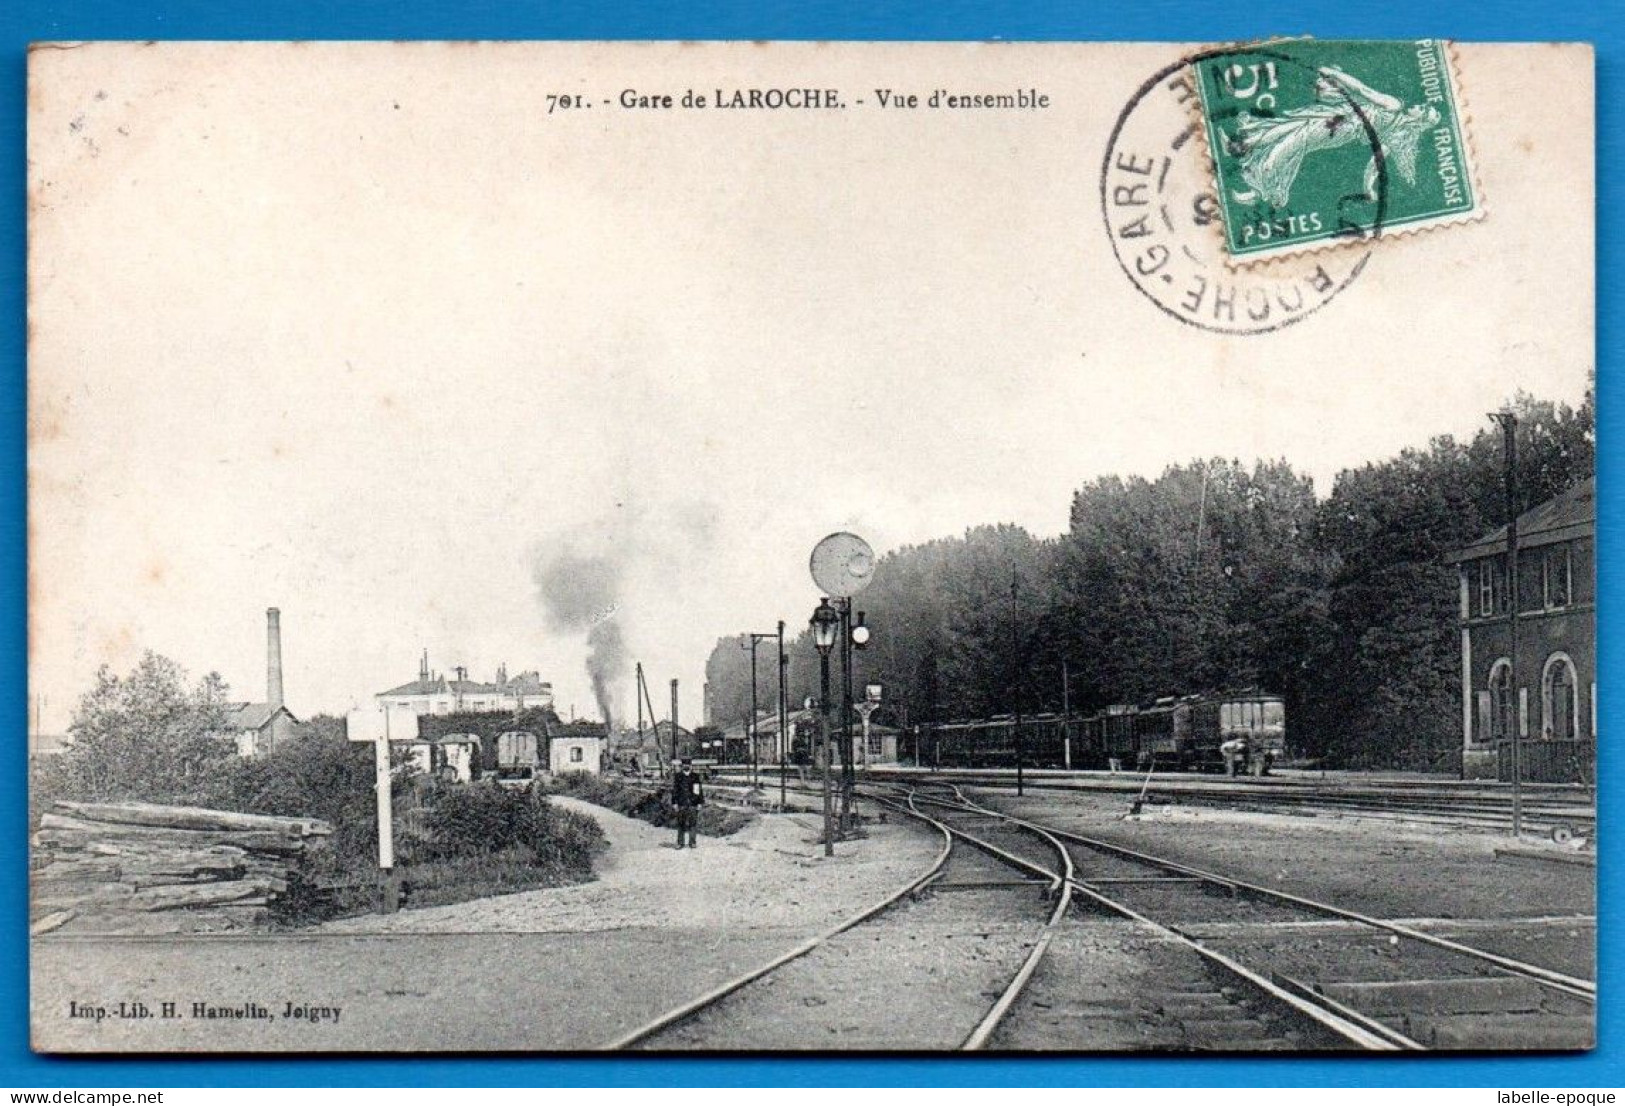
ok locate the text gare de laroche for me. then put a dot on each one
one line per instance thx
(806, 99)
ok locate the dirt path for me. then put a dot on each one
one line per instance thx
(559, 969)
(771, 874)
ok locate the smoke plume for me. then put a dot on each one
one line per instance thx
(606, 664)
(581, 591)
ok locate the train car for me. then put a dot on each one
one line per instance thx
(1245, 730)
(1162, 733)
(993, 743)
(1226, 732)
(1116, 729)
(517, 755)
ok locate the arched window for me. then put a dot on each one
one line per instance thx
(1501, 722)
(1559, 699)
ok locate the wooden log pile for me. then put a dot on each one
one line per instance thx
(141, 868)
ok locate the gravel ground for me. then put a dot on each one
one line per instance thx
(1108, 986)
(1451, 884)
(920, 976)
(559, 969)
(574, 967)
(1370, 865)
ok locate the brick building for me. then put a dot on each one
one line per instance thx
(1548, 690)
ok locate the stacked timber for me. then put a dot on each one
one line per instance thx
(142, 868)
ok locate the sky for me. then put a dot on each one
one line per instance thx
(363, 332)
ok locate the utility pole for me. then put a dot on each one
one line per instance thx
(674, 721)
(750, 730)
(784, 721)
(637, 693)
(849, 780)
(1509, 432)
(1015, 692)
(1066, 715)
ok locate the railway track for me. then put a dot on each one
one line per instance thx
(1410, 989)
(1207, 999)
(1555, 809)
(962, 883)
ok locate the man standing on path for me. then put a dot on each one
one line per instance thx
(688, 797)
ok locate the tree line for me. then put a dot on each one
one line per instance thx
(1215, 575)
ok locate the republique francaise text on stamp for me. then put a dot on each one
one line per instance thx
(1316, 143)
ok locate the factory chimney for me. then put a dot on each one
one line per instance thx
(273, 657)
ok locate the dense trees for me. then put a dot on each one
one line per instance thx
(1213, 575)
(147, 735)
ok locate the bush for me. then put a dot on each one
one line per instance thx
(647, 804)
(485, 818)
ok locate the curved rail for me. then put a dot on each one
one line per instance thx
(1018, 983)
(1557, 981)
(1360, 1032)
(716, 994)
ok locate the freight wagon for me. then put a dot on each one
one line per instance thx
(518, 755)
(1233, 732)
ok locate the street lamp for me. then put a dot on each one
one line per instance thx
(825, 622)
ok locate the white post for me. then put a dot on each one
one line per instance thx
(374, 724)
(386, 813)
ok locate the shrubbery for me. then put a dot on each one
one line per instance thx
(647, 804)
(148, 737)
(480, 819)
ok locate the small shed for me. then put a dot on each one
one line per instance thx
(575, 754)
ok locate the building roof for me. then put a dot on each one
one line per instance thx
(1573, 514)
(767, 725)
(253, 716)
(526, 683)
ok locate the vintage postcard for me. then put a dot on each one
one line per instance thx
(768, 547)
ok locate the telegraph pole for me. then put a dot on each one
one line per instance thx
(848, 779)
(1509, 433)
(784, 721)
(674, 722)
(1015, 693)
(750, 730)
(1066, 714)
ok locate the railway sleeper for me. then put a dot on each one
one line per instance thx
(1222, 1032)
(983, 884)
(1179, 1003)
(1468, 995)
(1249, 1044)
(1498, 1032)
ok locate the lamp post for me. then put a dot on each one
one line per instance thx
(826, 622)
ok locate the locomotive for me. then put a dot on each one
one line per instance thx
(1231, 732)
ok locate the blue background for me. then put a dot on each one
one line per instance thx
(1175, 20)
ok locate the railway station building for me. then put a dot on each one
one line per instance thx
(432, 693)
(1547, 686)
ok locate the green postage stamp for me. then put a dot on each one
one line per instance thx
(1316, 143)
